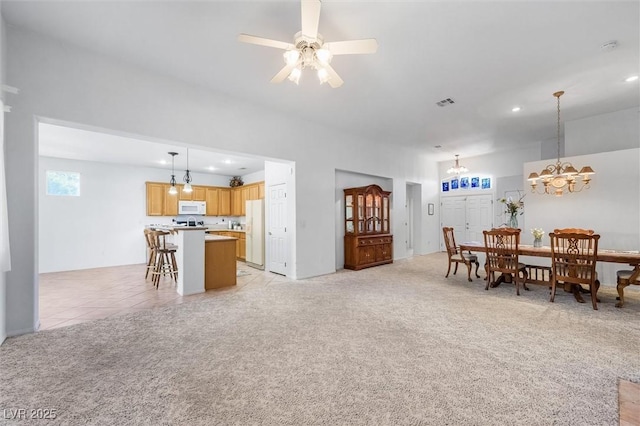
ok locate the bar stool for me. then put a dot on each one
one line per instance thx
(151, 248)
(165, 258)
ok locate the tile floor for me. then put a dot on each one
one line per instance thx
(72, 297)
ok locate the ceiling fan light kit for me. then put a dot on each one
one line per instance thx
(309, 49)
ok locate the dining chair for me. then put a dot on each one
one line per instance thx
(457, 256)
(576, 288)
(501, 245)
(625, 278)
(573, 260)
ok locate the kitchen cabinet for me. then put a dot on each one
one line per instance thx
(367, 240)
(170, 202)
(212, 198)
(224, 203)
(155, 199)
(241, 245)
(236, 201)
(198, 193)
(221, 201)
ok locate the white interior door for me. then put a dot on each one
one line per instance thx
(479, 214)
(453, 214)
(468, 216)
(277, 232)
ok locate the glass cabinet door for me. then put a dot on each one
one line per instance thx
(360, 217)
(348, 213)
(376, 218)
(385, 215)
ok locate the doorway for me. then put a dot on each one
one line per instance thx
(468, 215)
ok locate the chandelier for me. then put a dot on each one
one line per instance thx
(560, 177)
(457, 168)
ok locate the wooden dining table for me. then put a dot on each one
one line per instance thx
(629, 257)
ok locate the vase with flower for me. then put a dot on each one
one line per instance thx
(513, 208)
(537, 236)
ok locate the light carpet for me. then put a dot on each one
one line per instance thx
(396, 344)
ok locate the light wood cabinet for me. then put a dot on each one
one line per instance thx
(261, 191)
(224, 206)
(367, 240)
(212, 198)
(241, 244)
(236, 201)
(199, 193)
(170, 202)
(155, 199)
(221, 201)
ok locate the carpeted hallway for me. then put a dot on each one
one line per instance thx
(396, 344)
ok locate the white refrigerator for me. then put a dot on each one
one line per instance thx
(255, 233)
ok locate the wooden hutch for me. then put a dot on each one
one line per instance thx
(367, 238)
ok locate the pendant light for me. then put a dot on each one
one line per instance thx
(187, 177)
(173, 190)
(561, 178)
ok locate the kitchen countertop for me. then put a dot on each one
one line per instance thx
(213, 238)
(225, 230)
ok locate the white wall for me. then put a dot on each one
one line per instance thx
(103, 226)
(66, 83)
(3, 290)
(610, 206)
(606, 132)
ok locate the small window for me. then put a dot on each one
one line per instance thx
(63, 183)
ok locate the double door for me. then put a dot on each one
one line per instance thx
(468, 216)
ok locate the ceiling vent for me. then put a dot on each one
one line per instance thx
(445, 102)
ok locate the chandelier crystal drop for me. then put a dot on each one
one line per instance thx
(457, 168)
(561, 177)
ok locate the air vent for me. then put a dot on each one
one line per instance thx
(445, 102)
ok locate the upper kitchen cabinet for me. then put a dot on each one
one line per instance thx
(221, 201)
(218, 201)
(155, 199)
(240, 194)
(198, 193)
(159, 201)
(224, 208)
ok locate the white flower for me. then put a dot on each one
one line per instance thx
(537, 233)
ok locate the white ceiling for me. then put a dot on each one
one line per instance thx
(78, 144)
(488, 56)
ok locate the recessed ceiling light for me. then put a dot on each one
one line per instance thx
(632, 78)
(438, 146)
(211, 168)
(227, 161)
(515, 109)
(162, 161)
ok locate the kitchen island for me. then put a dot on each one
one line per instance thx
(204, 261)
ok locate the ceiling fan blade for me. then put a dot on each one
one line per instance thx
(283, 73)
(334, 79)
(246, 38)
(310, 18)
(352, 47)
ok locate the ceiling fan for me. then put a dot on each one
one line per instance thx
(309, 49)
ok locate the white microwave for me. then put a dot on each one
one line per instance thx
(192, 207)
